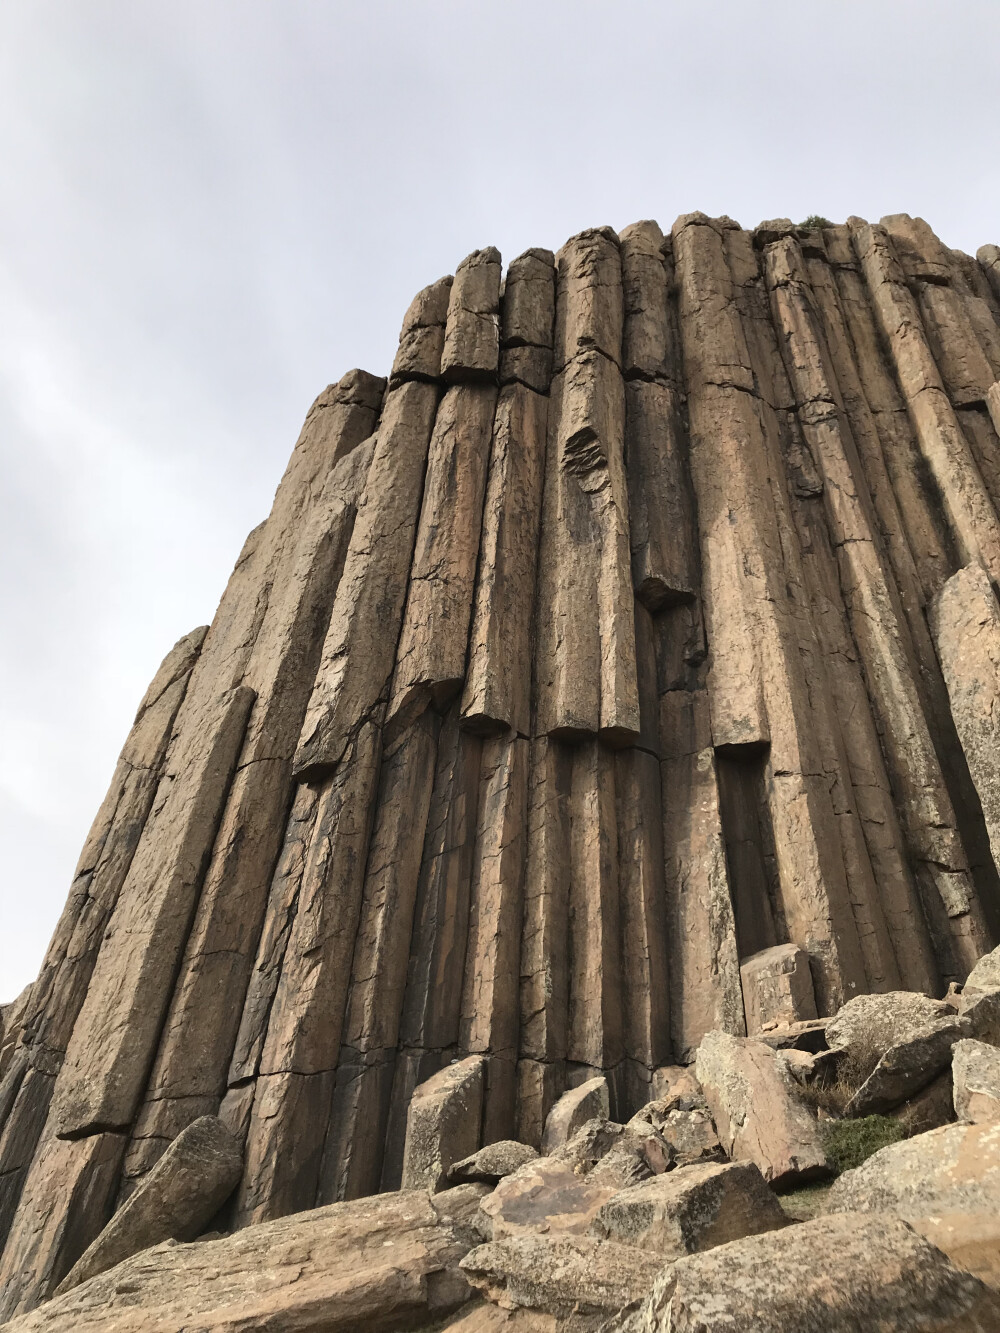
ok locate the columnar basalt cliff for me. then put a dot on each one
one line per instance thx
(641, 621)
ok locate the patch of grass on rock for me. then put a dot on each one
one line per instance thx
(814, 220)
(848, 1143)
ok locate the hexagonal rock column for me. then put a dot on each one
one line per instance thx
(443, 1124)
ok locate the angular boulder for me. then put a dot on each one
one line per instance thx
(975, 1073)
(777, 987)
(891, 1046)
(838, 1274)
(985, 976)
(179, 1197)
(677, 1084)
(690, 1134)
(493, 1162)
(443, 1123)
(945, 1183)
(756, 1112)
(691, 1209)
(546, 1196)
(980, 1010)
(589, 1101)
(383, 1262)
(560, 1276)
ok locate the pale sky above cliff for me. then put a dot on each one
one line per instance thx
(211, 208)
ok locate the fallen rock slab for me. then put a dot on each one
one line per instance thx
(377, 1263)
(691, 1209)
(590, 1101)
(891, 1046)
(945, 1183)
(546, 1196)
(985, 976)
(690, 1134)
(838, 1274)
(975, 1073)
(443, 1123)
(179, 1197)
(559, 1275)
(493, 1162)
(758, 1117)
(777, 987)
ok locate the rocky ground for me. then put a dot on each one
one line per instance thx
(826, 1175)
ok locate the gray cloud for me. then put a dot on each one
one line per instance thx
(211, 208)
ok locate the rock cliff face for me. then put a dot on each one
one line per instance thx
(643, 620)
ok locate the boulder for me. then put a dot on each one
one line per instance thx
(386, 1261)
(677, 1084)
(891, 1046)
(837, 1274)
(777, 987)
(945, 1183)
(980, 1010)
(175, 1201)
(691, 1209)
(985, 976)
(558, 1275)
(975, 1072)
(929, 1109)
(493, 1162)
(756, 1112)
(589, 1101)
(690, 1134)
(443, 1123)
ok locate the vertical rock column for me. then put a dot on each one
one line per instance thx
(310, 540)
(757, 690)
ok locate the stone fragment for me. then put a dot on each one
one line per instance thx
(493, 1162)
(443, 1124)
(893, 1045)
(421, 340)
(560, 1275)
(589, 1101)
(985, 975)
(527, 318)
(691, 1209)
(546, 1196)
(431, 656)
(178, 1198)
(677, 1087)
(777, 987)
(966, 624)
(975, 1074)
(384, 1262)
(472, 335)
(980, 1011)
(756, 1112)
(930, 1108)
(836, 1274)
(945, 1183)
(685, 1125)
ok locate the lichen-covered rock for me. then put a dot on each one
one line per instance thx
(985, 976)
(756, 1111)
(975, 1074)
(945, 1183)
(493, 1162)
(838, 1274)
(589, 1101)
(443, 1123)
(690, 1209)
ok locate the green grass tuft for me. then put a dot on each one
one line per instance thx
(848, 1143)
(814, 220)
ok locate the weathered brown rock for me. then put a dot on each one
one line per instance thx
(472, 334)
(755, 1109)
(177, 1199)
(945, 1184)
(430, 659)
(777, 987)
(571, 1276)
(835, 1275)
(421, 340)
(547, 1196)
(985, 975)
(966, 622)
(493, 1162)
(975, 1073)
(571, 1112)
(527, 318)
(691, 1209)
(497, 690)
(443, 1124)
(377, 1264)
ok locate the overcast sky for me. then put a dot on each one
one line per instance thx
(211, 208)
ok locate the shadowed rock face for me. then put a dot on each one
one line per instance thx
(621, 668)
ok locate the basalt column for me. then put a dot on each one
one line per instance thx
(643, 617)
